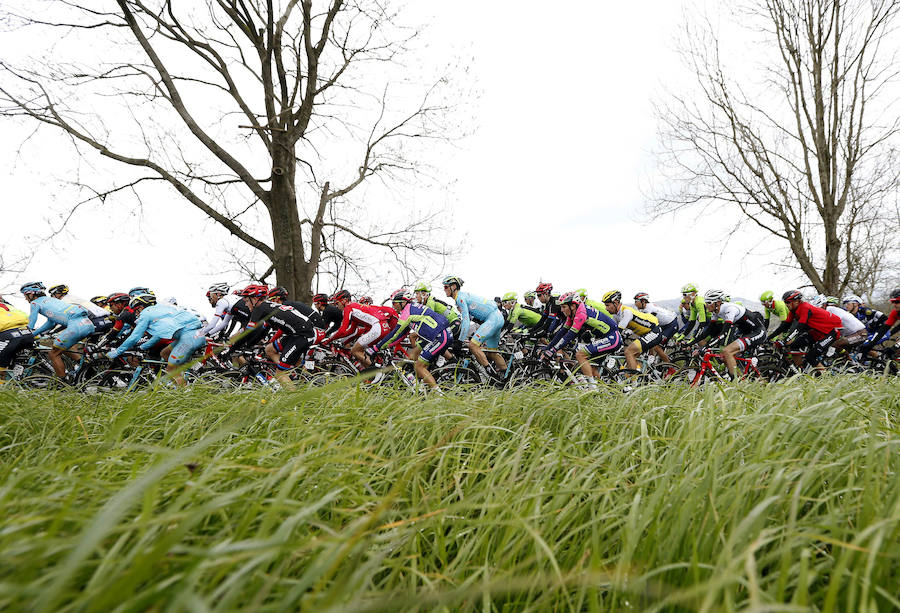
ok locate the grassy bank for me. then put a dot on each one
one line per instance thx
(664, 499)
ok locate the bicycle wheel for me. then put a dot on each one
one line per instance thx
(455, 374)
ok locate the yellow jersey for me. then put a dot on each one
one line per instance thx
(637, 321)
(11, 318)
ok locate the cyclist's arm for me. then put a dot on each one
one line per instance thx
(396, 333)
(140, 326)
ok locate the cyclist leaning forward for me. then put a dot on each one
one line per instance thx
(14, 335)
(430, 328)
(643, 325)
(751, 331)
(809, 326)
(601, 329)
(483, 311)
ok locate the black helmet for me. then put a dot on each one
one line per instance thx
(792, 294)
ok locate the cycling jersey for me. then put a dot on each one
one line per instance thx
(525, 317)
(221, 315)
(638, 322)
(819, 321)
(56, 311)
(664, 315)
(331, 316)
(282, 318)
(893, 318)
(474, 308)
(443, 308)
(600, 324)
(779, 308)
(699, 314)
(159, 321)
(427, 324)
(849, 323)
(11, 318)
(92, 309)
(872, 318)
(356, 318)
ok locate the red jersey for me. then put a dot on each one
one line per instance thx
(893, 318)
(359, 317)
(820, 321)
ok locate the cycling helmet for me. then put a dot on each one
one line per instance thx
(277, 292)
(421, 286)
(852, 298)
(895, 294)
(509, 296)
(35, 287)
(365, 300)
(832, 301)
(117, 297)
(142, 300)
(402, 295)
(791, 295)
(715, 295)
(100, 300)
(818, 300)
(727, 297)
(612, 295)
(581, 294)
(134, 291)
(320, 298)
(255, 291)
(62, 288)
(567, 298)
(544, 288)
(766, 296)
(689, 288)
(529, 294)
(452, 279)
(642, 296)
(341, 295)
(217, 288)
(170, 300)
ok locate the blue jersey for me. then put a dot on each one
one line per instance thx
(427, 324)
(475, 308)
(160, 321)
(56, 311)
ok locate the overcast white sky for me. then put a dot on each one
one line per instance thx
(548, 187)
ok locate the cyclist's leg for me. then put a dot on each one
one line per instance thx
(488, 336)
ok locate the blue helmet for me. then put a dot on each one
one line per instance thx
(136, 291)
(35, 287)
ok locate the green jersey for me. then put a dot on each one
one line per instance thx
(441, 307)
(778, 308)
(524, 317)
(699, 312)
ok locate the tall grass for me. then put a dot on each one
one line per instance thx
(751, 497)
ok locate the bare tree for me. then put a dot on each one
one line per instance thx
(247, 109)
(806, 153)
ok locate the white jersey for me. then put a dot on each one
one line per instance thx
(92, 309)
(222, 315)
(849, 323)
(664, 315)
(730, 312)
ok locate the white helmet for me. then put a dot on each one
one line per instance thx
(715, 295)
(852, 298)
(217, 288)
(170, 300)
(818, 300)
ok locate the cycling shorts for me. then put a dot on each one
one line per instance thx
(754, 338)
(375, 333)
(669, 330)
(12, 342)
(186, 342)
(292, 348)
(604, 344)
(650, 340)
(857, 338)
(488, 333)
(76, 330)
(436, 347)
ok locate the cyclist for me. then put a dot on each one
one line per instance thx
(750, 332)
(872, 318)
(430, 327)
(853, 331)
(74, 320)
(163, 322)
(222, 303)
(140, 290)
(294, 330)
(331, 315)
(484, 312)
(14, 335)
(520, 318)
(668, 320)
(101, 301)
(367, 324)
(644, 325)
(595, 326)
(529, 297)
(425, 297)
(890, 326)
(279, 294)
(551, 311)
(772, 306)
(808, 326)
(698, 315)
(96, 313)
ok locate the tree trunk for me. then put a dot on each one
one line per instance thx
(291, 270)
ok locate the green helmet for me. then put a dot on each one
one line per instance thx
(421, 286)
(766, 296)
(689, 288)
(833, 300)
(509, 296)
(581, 293)
(529, 294)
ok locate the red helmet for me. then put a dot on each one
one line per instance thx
(792, 294)
(320, 298)
(255, 291)
(118, 297)
(544, 288)
(402, 295)
(365, 300)
(567, 298)
(341, 295)
(641, 296)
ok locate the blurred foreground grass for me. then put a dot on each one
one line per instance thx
(778, 497)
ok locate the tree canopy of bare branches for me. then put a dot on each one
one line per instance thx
(280, 109)
(804, 147)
